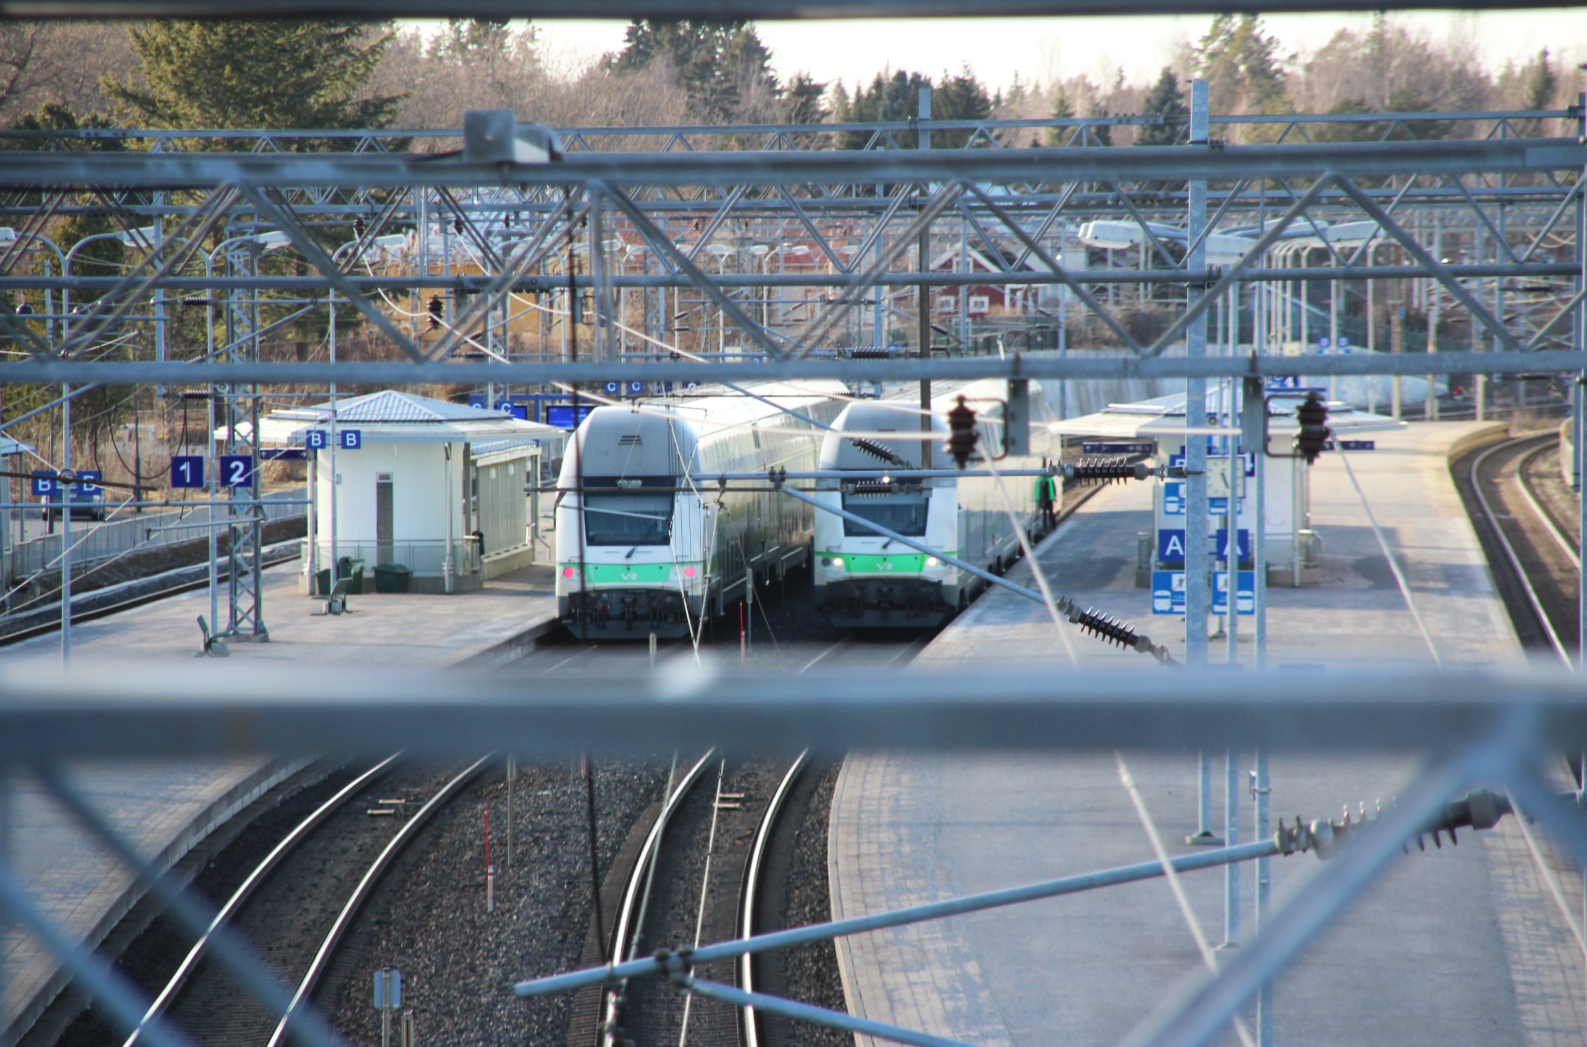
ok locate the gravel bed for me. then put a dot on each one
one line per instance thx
(812, 970)
(459, 963)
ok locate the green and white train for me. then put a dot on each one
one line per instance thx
(863, 580)
(642, 547)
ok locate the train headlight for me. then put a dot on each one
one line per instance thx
(931, 561)
(837, 561)
(567, 572)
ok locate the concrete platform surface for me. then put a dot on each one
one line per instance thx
(1459, 946)
(166, 808)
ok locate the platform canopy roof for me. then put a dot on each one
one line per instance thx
(1164, 416)
(390, 416)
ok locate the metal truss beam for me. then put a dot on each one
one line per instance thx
(717, 10)
(851, 167)
(1018, 278)
(1076, 364)
(200, 708)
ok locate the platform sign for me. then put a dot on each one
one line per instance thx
(561, 415)
(636, 388)
(86, 481)
(1107, 447)
(614, 388)
(1323, 342)
(1245, 598)
(350, 439)
(1171, 544)
(236, 470)
(477, 401)
(1282, 382)
(43, 483)
(1168, 592)
(1173, 498)
(316, 439)
(1356, 445)
(187, 470)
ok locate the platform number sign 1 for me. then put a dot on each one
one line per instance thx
(316, 439)
(351, 439)
(187, 470)
(236, 470)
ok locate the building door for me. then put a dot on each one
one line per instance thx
(383, 518)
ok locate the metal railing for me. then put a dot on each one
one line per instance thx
(101, 541)
(423, 557)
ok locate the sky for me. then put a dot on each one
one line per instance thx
(1038, 48)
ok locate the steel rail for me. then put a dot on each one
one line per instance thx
(746, 970)
(1073, 365)
(244, 891)
(637, 889)
(1556, 530)
(1509, 550)
(365, 887)
(70, 170)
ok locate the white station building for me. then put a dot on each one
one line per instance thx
(432, 487)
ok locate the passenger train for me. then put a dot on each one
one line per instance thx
(658, 550)
(863, 580)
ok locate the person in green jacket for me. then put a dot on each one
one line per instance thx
(1046, 499)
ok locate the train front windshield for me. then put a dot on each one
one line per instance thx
(628, 519)
(903, 513)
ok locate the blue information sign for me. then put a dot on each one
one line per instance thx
(561, 415)
(86, 481)
(236, 470)
(614, 388)
(43, 483)
(316, 439)
(1173, 498)
(636, 388)
(1245, 598)
(1104, 447)
(187, 470)
(351, 439)
(1168, 592)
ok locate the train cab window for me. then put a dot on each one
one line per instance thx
(628, 519)
(904, 513)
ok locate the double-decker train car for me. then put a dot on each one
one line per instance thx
(643, 545)
(863, 580)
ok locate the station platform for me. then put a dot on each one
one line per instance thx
(1458, 946)
(167, 808)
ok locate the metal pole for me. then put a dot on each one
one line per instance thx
(64, 488)
(336, 477)
(1261, 791)
(925, 294)
(1204, 836)
(1231, 826)
(1197, 602)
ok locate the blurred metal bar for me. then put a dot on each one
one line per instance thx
(70, 170)
(816, 1015)
(102, 709)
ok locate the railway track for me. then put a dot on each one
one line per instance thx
(299, 903)
(1533, 551)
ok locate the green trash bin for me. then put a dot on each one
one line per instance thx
(392, 578)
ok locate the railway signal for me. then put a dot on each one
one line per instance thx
(961, 434)
(436, 307)
(1314, 432)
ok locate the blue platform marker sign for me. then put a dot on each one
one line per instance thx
(636, 388)
(236, 470)
(1168, 592)
(351, 439)
(187, 470)
(316, 439)
(1174, 498)
(1245, 597)
(86, 481)
(43, 483)
(1171, 544)
(477, 400)
(614, 388)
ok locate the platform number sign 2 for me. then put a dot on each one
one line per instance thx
(236, 470)
(187, 470)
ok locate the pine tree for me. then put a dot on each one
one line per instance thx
(722, 65)
(1061, 110)
(273, 74)
(1164, 100)
(961, 97)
